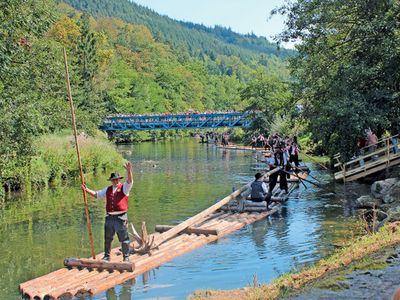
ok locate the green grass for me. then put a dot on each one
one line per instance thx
(56, 157)
(315, 159)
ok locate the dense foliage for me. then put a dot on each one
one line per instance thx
(347, 72)
(115, 67)
(199, 40)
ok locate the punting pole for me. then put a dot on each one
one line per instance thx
(78, 152)
(315, 161)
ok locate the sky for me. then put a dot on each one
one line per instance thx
(243, 16)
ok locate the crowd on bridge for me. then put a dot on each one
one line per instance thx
(168, 114)
(368, 144)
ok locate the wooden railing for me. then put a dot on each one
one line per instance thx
(385, 155)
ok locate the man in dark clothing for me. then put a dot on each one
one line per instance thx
(116, 196)
(279, 161)
(259, 190)
(294, 152)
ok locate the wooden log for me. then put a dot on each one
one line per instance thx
(38, 280)
(193, 220)
(70, 289)
(96, 264)
(255, 209)
(48, 280)
(163, 228)
(249, 203)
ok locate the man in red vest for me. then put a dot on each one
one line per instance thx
(116, 196)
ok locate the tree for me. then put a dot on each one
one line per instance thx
(346, 72)
(24, 84)
(267, 96)
(85, 66)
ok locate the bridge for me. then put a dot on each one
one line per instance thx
(176, 121)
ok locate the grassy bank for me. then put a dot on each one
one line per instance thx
(56, 160)
(360, 248)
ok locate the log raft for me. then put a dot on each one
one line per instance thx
(245, 148)
(206, 227)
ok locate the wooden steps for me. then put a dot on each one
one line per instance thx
(381, 158)
(71, 282)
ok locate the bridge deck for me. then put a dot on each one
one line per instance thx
(179, 121)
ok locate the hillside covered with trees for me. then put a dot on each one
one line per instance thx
(198, 40)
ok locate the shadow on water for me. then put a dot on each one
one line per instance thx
(173, 181)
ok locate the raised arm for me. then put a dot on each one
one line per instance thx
(128, 168)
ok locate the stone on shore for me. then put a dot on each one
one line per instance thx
(394, 214)
(367, 201)
(382, 188)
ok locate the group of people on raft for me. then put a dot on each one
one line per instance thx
(285, 156)
(285, 153)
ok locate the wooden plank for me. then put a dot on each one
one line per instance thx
(98, 264)
(163, 228)
(371, 171)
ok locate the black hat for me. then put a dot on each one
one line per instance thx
(115, 176)
(258, 176)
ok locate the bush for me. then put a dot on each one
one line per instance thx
(57, 156)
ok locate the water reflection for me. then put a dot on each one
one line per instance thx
(174, 180)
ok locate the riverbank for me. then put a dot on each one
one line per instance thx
(387, 236)
(377, 276)
(55, 161)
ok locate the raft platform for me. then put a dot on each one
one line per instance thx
(244, 148)
(173, 241)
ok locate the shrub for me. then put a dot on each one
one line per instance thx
(57, 156)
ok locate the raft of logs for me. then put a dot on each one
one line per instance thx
(245, 148)
(81, 277)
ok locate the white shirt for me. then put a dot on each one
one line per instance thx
(126, 188)
(264, 188)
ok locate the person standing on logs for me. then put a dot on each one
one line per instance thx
(259, 191)
(294, 152)
(279, 161)
(116, 196)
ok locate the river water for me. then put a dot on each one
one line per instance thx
(173, 181)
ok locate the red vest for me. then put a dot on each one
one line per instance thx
(117, 201)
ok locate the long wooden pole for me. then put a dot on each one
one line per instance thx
(315, 161)
(301, 179)
(78, 153)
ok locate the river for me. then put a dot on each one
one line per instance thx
(174, 180)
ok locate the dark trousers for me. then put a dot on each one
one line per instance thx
(267, 198)
(116, 224)
(273, 179)
(294, 158)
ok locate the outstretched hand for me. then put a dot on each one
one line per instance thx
(128, 166)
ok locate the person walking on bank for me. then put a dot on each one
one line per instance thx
(116, 196)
